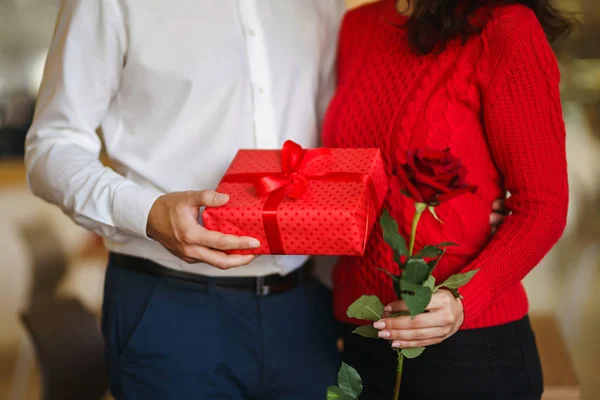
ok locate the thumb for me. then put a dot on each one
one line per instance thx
(208, 198)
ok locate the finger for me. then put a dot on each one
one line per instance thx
(499, 206)
(425, 320)
(216, 240)
(208, 198)
(496, 219)
(415, 343)
(220, 260)
(179, 254)
(414, 334)
(396, 306)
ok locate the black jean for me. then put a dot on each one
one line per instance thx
(499, 362)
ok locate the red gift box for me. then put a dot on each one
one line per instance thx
(296, 201)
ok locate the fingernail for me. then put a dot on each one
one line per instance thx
(379, 325)
(253, 243)
(396, 345)
(384, 334)
(221, 198)
(387, 308)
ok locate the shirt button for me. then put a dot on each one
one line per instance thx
(261, 90)
(251, 32)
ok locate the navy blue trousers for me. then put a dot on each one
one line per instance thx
(169, 339)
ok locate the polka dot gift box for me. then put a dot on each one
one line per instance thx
(302, 201)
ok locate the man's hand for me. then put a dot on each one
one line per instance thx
(499, 212)
(173, 222)
(444, 317)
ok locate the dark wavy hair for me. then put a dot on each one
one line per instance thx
(433, 23)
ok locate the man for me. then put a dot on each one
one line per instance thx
(177, 88)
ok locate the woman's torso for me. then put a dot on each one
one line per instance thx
(394, 99)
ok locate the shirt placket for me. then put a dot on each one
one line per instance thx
(266, 135)
(265, 130)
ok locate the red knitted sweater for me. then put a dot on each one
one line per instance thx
(495, 102)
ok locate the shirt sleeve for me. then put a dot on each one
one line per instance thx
(526, 134)
(81, 77)
(328, 78)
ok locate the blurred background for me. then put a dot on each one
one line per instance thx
(40, 248)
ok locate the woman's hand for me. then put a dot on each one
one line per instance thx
(444, 317)
(499, 212)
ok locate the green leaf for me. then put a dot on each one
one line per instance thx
(397, 289)
(428, 252)
(433, 250)
(413, 353)
(433, 263)
(366, 307)
(367, 331)
(398, 260)
(335, 393)
(430, 282)
(432, 211)
(396, 281)
(445, 244)
(416, 271)
(417, 297)
(391, 235)
(349, 381)
(456, 281)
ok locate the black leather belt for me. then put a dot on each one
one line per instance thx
(261, 286)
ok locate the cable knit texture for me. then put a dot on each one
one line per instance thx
(494, 100)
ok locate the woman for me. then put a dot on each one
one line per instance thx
(477, 77)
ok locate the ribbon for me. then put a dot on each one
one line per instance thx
(294, 160)
(292, 182)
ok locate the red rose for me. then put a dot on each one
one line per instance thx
(433, 176)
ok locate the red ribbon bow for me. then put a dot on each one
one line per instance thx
(294, 160)
(293, 182)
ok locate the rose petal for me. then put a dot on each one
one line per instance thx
(431, 154)
(457, 192)
(433, 176)
(408, 185)
(431, 182)
(428, 193)
(423, 168)
(412, 165)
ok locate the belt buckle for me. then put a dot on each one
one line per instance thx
(261, 288)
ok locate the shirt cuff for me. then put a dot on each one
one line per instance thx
(131, 207)
(476, 294)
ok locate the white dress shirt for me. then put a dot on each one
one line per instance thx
(174, 89)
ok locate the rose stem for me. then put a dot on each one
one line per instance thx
(415, 222)
(420, 207)
(398, 374)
